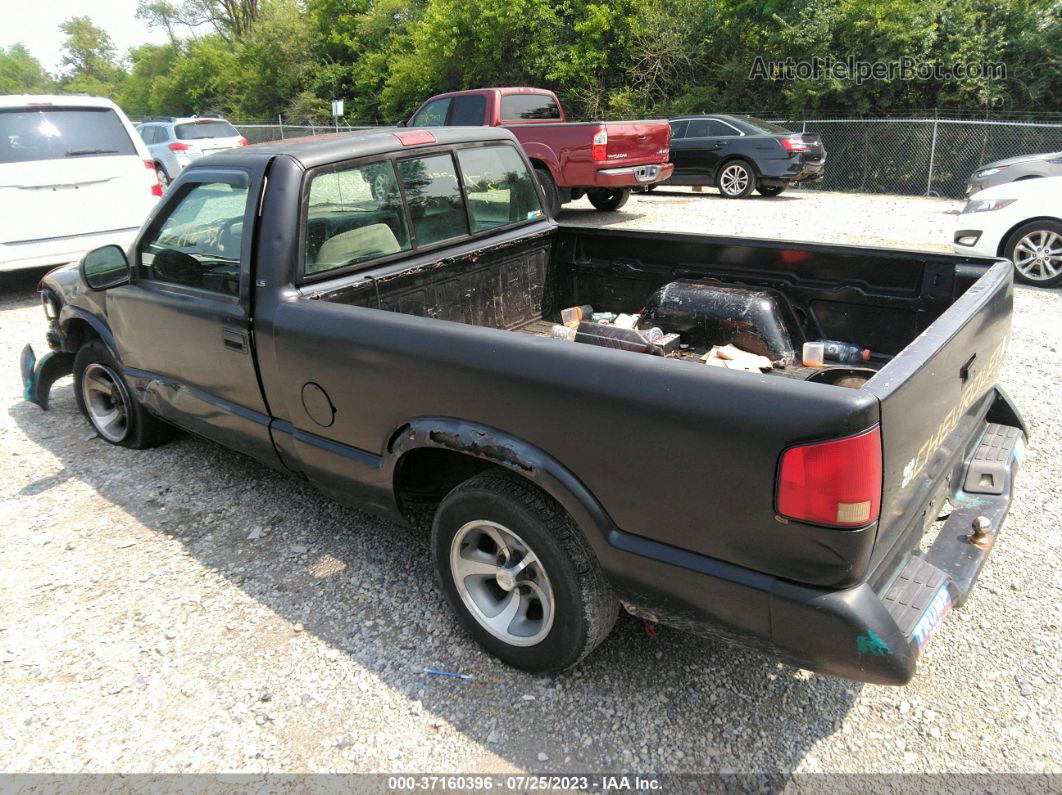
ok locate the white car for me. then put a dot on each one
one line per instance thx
(74, 175)
(1021, 221)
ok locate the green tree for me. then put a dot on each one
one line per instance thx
(88, 59)
(141, 93)
(21, 73)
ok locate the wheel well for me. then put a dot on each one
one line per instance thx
(1002, 247)
(1029, 176)
(425, 475)
(77, 332)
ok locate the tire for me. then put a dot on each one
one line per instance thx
(162, 176)
(1035, 249)
(770, 190)
(102, 391)
(736, 179)
(549, 188)
(381, 185)
(608, 200)
(498, 517)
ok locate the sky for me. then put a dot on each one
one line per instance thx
(38, 26)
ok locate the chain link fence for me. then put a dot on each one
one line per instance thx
(906, 156)
(920, 157)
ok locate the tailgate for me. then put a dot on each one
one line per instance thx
(934, 397)
(637, 142)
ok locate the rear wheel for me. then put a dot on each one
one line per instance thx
(549, 188)
(106, 400)
(163, 178)
(736, 180)
(519, 574)
(1036, 251)
(606, 200)
(770, 190)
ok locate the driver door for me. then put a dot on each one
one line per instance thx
(182, 323)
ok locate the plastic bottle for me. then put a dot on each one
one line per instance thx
(623, 338)
(838, 351)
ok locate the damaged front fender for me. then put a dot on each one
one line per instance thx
(38, 375)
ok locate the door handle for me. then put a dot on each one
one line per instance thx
(234, 340)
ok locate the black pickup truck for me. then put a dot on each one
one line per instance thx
(373, 312)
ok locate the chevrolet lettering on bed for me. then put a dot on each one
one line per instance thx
(581, 420)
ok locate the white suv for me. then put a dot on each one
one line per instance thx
(174, 143)
(74, 175)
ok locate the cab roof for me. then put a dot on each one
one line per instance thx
(318, 150)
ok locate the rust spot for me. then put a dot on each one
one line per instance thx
(497, 452)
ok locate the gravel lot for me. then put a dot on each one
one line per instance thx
(143, 630)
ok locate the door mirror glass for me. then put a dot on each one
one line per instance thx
(105, 267)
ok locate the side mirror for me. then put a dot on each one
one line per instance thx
(400, 124)
(105, 267)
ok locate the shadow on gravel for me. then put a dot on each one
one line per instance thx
(668, 703)
(712, 193)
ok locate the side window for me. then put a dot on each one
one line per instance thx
(433, 114)
(516, 107)
(162, 134)
(198, 243)
(678, 129)
(699, 128)
(500, 188)
(468, 111)
(433, 193)
(718, 129)
(354, 215)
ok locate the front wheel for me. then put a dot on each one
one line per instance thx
(770, 190)
(1036, 251)
(106, 400)
(736, 180)
(607, 200)
(519, 574)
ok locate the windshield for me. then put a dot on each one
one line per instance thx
(215, 128)
(48, 133)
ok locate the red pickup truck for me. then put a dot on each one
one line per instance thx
(602, 160)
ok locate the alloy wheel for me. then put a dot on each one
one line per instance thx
(106, 401)
(734, 179)
(502, 582)
(1038, 255)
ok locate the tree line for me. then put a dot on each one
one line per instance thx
(255, 59)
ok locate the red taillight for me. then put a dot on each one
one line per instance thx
(149, 164)
(835, 483)
(794, 143)
(600, 148)
(156, 189)
(244, 142)
(177, 146)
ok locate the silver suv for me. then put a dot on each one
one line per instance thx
(175, 142)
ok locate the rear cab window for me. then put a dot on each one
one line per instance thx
(362, 213)
(215, 128)
(52, 133)
(521, 107)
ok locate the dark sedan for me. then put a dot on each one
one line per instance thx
(739, 154)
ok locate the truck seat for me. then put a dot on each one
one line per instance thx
(375, 240)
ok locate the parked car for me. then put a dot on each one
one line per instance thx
(73, 176)
(1021, 221)
(395, 348)
(1014, 169)
(739, 154)
(174, 142)
(601, 160)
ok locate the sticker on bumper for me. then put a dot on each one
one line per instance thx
(932, 618)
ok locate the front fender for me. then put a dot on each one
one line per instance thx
(69, 315)
(517, 455)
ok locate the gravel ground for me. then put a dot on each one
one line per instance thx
(186, 609)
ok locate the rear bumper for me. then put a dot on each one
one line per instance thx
(782, 172)
(59, 250)
(631, 176)
(873, 632)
